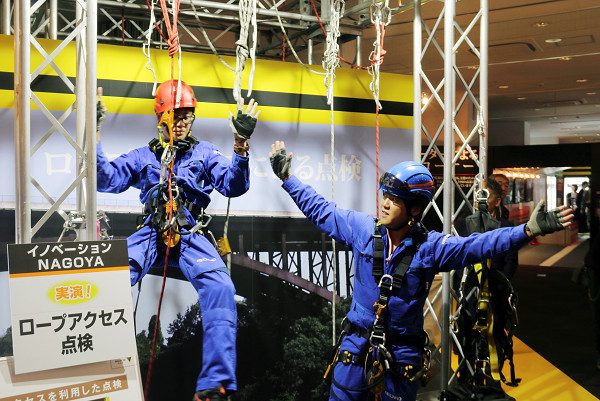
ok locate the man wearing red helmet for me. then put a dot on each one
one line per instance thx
(381, 348)
(198, 168)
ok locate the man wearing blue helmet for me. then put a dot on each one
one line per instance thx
(381, 348)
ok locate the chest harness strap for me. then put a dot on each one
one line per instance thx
(378, 360)
(159, 203)
(387, 284)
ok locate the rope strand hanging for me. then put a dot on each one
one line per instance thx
(381, 16)
(247, 12)
(146, 48)
(166, 119)
(332, 47)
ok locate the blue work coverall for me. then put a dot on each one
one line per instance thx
(197, 172)
(404, 312)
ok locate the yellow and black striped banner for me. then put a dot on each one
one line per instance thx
(285, 91)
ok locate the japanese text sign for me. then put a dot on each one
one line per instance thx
(114, 380)
(70, 304)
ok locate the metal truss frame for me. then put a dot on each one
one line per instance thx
(83, 141)
(445, 93)
(312, 261)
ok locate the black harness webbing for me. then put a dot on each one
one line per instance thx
(378, 340)
(418, 237)
(154, 205)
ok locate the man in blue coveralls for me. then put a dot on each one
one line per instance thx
(382, 343)
(198, 168)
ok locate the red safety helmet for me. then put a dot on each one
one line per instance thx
(166, 94)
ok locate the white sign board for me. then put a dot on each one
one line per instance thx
(70, 304)
(115, 380)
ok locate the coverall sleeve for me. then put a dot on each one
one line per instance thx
(118, 175)
(231, 179)
(341, 224)
(451, 252)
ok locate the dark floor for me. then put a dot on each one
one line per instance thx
(555, 315)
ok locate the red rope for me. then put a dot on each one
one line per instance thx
(173, 42)
(373, 62)
(156, 322)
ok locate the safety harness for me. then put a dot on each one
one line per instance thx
(376, 358)
(486, 318)
(159, 204)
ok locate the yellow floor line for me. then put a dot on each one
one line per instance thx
(542, 381)
(561, 254)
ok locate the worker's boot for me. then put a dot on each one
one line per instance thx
(211, 394)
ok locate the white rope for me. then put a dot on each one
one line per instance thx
(334, 258)
(380, 16)
(246, 9)
(210, 43)
(330, 57)
(290, 43)
(146, 48)
(330, 62)
(253, 47)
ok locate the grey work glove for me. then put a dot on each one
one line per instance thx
(280, 162)
(544, 222)
(243, 124)
(100, 113)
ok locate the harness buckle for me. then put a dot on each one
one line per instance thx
(377, 336)
(391, 282)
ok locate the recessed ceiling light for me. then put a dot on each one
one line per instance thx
(553, 40)
(590, 93)
(503, 86)
(566, 58)
(541, 24)
(472, 67)
(581, 80)
(521, 98)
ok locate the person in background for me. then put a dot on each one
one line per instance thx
(572, 197)
(586, 203)
(502, 211)
(507, 262)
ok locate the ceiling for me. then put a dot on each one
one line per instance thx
(554, 88)
(544, 55)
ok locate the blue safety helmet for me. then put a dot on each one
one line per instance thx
(409, 181)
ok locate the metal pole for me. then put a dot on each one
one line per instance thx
(417, 107)
(310, 51)
(80, 107)
(483, 89)
(22, 93)
(6, 18)
(358, 50)
(53, 30)
(90, 126)
(448, 175)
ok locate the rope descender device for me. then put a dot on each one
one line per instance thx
(167, 118)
